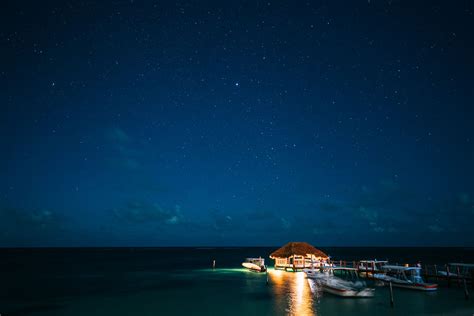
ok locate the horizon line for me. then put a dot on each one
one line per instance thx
(213, 247)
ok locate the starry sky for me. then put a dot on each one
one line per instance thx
(226, 123)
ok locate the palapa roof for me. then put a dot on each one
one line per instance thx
(297, 248)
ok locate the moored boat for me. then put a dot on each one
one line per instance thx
(319, 271)
(255, 264)
(404, 277)
(340, 281)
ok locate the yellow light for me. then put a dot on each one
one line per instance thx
(294, 289)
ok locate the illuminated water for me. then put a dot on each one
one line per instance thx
(180, 281)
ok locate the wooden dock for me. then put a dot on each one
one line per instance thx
(430, 273)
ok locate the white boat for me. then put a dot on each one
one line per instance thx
(369, 267)
(317, 271)
(255, 264)
(340, 281)
(313, 273)
(404, 277)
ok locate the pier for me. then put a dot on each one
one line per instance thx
(456, 274)
(452, 274)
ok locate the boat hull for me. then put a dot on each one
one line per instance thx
(408, 285)
(347, 293)
(337, 287)
(253, 267)
(418, 287)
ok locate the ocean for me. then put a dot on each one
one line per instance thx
(181, 281)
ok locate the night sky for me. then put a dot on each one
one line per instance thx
(140, 123)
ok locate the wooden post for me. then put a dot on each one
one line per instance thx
(266, 272)
(459, 276)
(466, 293)
(391, 294)
(340, 263)
(447, 275)
(436, 272)
(373, 270)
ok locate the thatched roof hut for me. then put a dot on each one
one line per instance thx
(297, 248)
(298, 255)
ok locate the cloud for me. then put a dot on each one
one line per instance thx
(435, 228)
(118, 135)
(386, 193)
(376, 228)
(453, 214)
(140, 212)
(368, 213)
(373, 215)
(130, 163)
(390, 207)
(465, 199)
(221, 221)
(126, 151)
(26, 227)
(21, 218)
(327, 206)
(260, 215)
(285, 224)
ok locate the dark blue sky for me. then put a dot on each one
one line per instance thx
(236, 123)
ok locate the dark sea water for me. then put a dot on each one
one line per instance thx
(181, 281)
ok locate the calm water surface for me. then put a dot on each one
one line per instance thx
(180, 281)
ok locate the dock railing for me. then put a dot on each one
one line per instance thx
(441, 274)
(447, 274)
(366, 271)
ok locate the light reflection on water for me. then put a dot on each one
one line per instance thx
(294, 288)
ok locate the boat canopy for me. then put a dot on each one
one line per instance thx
(464, 265)
(260, 260)
(374, 261)
(400, 268)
